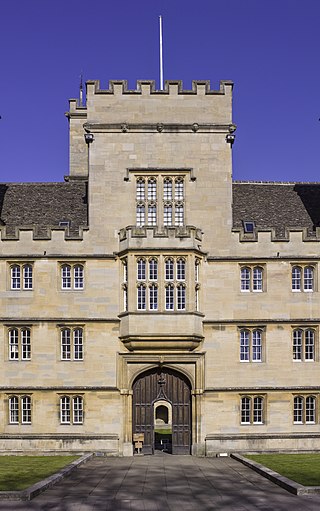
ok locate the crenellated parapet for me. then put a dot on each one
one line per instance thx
(279, 235)
(122, 112)
(199, 87)
(10, 233)
(173, 238)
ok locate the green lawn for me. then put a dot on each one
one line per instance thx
(301, 468)
(19, 472)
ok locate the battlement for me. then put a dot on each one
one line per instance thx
(174, 104)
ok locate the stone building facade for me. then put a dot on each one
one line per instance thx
(150, 295)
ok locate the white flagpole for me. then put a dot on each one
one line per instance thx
(161, 56)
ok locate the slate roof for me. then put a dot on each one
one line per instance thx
(43, 204)
(277, 205)
(269, 205)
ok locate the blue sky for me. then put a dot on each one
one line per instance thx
(270, 49)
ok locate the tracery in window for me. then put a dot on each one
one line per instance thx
(21, 276)
(302, 278)
(251, 278)
(167, 188)
(19, 343)
(250, 345)
(252, 410)
(153, 297)
(72, 276)
(72, 343)
(19, 409)
(71, 410)
(153, 209)
(303, 344)
(304, 409)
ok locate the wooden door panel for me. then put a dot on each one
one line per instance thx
(175, 388)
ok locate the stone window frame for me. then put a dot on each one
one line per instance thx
(251, 407)
(161, 283)
(71, 343)
(21, 276)
(175, 277)
(300, 282)
(19, 343)
(70, 413)
(301, 347)
(154, 204)
(147, 283)
(124, 262)
(248, 352)
(19, 409)
(252, 278)
(71, 281)
(301, 413)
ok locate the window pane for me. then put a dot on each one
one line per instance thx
(125, 298)
(140, 189)
(257, 346)
(14, 410)
(65, 344)
(197, 299)
(167, 215)
(125, 271)
(26, 344)
(77, 410)
(141, 269)
(258, 410)
(66, 276)
(244, 345)
(310, 409)
(297, 344)
(65, 410)
(296, 278)
(178, 220)
(26, 409)
(141, 297)
(309, 345)
(257, 279)
(15, 277)
(152, 214)
(27, 276)
(13, 344)
(245, 410)
(245, 279)
(181, 269)
(152, 189)
(308, 278)
(298, 409)
(181, 297)
(169, 297)
(78, 344)
(78, 276)
(178, 195)
(167, 189)
(153, 297)
(153, 269)
(169, 269)
(140, 215)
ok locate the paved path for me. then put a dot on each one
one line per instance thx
(165, 483)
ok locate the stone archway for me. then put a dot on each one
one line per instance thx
(163, 385)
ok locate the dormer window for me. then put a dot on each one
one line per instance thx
(248, 227)
(64, 223)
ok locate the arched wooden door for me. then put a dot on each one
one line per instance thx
(169, 385)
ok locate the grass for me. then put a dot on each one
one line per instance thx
(301, 468)
(19, 472)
